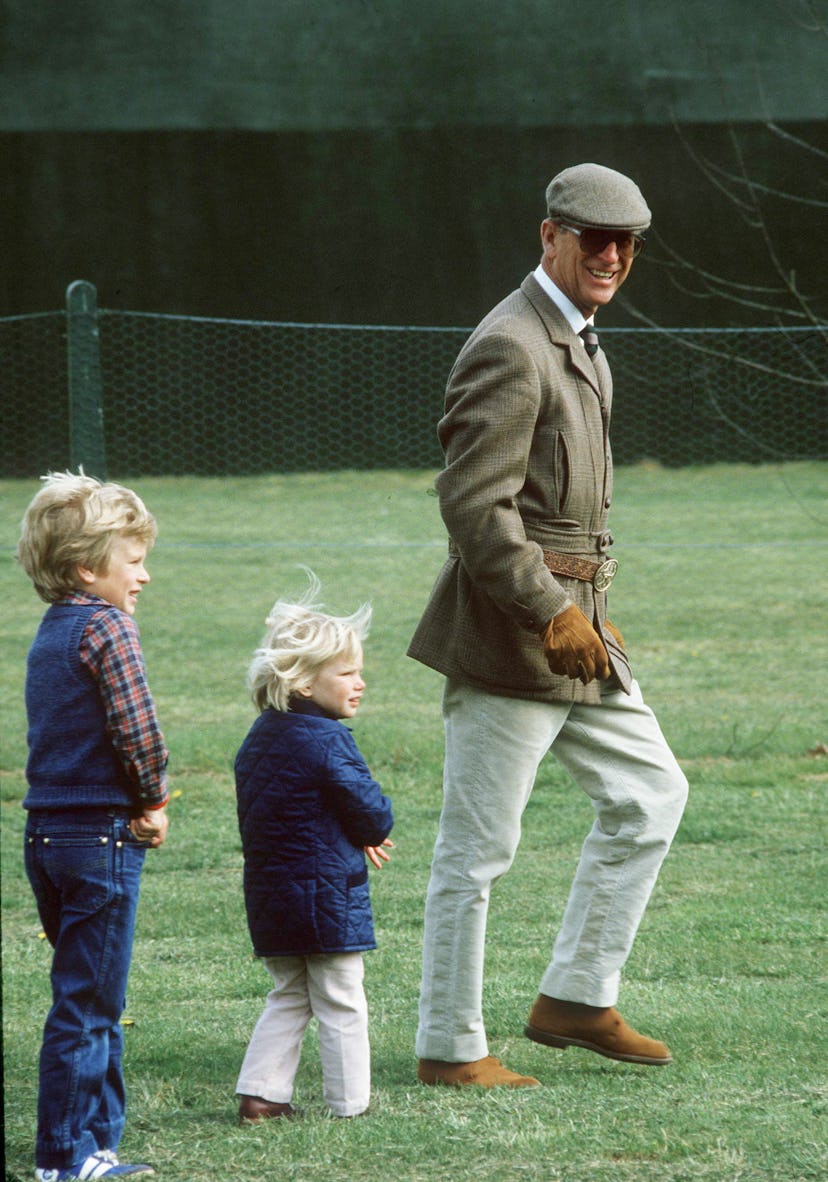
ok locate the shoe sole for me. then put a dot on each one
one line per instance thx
(257, 1120)
(524, 1081)
(555, 1040)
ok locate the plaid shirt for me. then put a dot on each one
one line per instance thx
(111, 652)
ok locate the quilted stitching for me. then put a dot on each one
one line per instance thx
(307, 804)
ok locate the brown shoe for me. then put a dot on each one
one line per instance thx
(597, 1028)
(254, 1108)
(483, 1073)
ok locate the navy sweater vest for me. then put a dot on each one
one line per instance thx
(72, 762)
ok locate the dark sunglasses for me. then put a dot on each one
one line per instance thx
(594, 241)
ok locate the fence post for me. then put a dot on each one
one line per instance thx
(86, 428)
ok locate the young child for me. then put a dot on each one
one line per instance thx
(96, 802)
(309, 812)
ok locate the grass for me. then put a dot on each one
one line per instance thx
(721, 600)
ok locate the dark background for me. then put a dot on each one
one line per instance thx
(359, 162)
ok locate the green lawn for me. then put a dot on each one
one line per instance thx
(721, 598)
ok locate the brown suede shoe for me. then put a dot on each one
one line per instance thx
(482, 1073)
(601, 1029)
(254, 1108)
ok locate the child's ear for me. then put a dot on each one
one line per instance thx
(304, 690)
(85, 575)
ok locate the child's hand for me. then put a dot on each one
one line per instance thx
(377, 854)
(151, 827)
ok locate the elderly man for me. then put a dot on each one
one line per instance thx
(517, 623)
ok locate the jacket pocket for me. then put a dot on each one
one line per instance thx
(358, 878)
(550, 467)
(563, 477)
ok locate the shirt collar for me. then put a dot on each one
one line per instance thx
(574, 316)
(84, 599)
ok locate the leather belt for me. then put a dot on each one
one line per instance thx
(600, 574)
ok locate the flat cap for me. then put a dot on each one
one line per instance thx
(592, 195)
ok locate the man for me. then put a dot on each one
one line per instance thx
(517, 624)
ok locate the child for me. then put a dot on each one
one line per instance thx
(307, 809)
(96, 802)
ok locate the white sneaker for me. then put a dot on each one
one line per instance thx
(104, 1164)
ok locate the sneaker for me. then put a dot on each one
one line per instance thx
(98, 1165)
(125, 1168)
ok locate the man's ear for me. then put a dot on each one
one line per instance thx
(549, 232)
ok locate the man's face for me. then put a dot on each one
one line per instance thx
(589, 280)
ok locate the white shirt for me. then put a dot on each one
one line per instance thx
(563, 302)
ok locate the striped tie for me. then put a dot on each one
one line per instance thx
(590, 339)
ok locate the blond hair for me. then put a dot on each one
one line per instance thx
(73, 521)
(301, 639)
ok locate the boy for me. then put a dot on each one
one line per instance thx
(96, 802)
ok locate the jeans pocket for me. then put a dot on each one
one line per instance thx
(79, 866)
(124, 834)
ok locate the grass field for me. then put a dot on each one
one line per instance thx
(721, 598)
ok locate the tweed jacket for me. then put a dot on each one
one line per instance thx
(528, 468)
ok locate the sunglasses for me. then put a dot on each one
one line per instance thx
(593, 241)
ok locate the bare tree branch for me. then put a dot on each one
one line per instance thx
(811, 19)
(780, 132)
(688, 341)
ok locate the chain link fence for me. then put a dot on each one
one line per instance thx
(135, 394)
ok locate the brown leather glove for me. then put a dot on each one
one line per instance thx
(573, 647)
(616, 635)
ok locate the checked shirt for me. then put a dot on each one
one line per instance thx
(111, 653)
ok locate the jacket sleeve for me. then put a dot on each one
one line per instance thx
(362, 810)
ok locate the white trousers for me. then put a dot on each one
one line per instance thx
(326, 986)
(494, 745)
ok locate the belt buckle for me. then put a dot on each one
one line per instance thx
(605, 573)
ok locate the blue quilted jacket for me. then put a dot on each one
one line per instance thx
(306, 806)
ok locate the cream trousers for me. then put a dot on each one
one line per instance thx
(494, 745)
(330, 987)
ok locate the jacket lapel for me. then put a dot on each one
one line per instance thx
(602, 372)
(560, 333)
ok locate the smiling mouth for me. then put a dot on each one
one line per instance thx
(601, 274)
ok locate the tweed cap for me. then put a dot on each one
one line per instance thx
(592, 195)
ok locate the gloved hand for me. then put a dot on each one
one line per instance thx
(573, 647)
(613, 631)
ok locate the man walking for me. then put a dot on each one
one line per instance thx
(517, 623)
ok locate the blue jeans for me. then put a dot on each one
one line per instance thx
(85, 871)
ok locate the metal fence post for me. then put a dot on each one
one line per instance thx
(86, 428)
